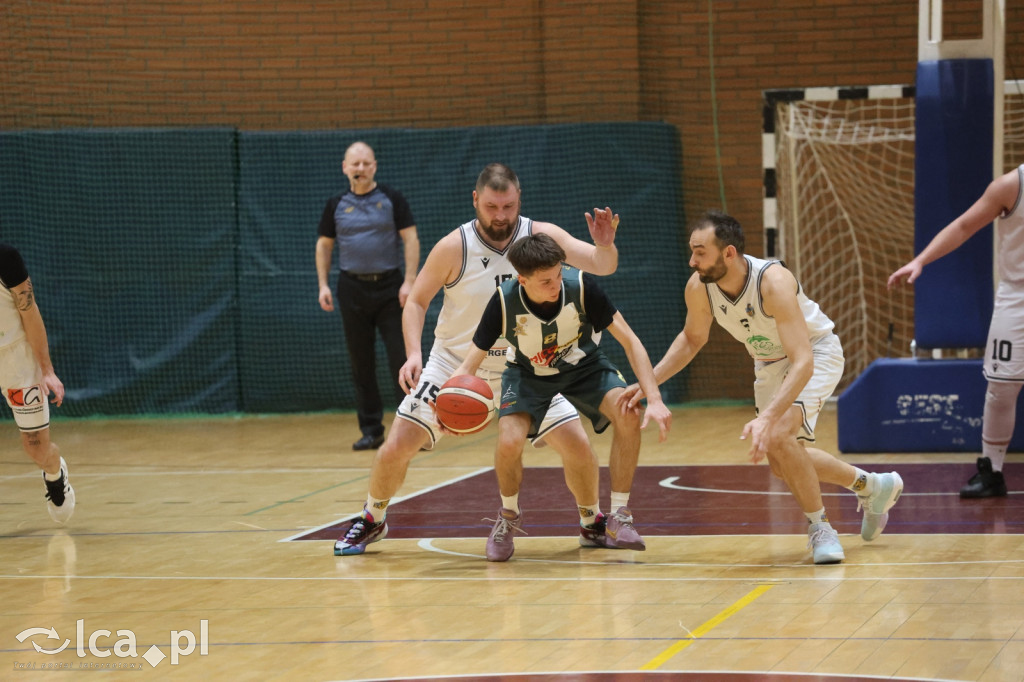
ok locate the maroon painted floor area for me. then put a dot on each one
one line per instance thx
(644, 677)
(705, 500)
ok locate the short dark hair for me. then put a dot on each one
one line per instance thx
(727, 229)
(498, 177)
(536, 252)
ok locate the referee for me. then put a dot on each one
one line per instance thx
(374, 229)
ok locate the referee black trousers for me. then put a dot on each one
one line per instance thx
(365, 308)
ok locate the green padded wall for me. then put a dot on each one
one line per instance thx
(175, 268)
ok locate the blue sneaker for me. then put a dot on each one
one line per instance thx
(876, 506)
(359, 533)
(823, 539)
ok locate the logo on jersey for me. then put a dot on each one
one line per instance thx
(547, 357)
(750, 310)
(349, 209)
(725, 310)
(745, 323)
(485, 261)
(22, 397)
(763, 346)
(520, 329)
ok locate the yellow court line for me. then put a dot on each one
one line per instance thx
(668, 653)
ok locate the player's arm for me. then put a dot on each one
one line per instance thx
(778, 291)
(35, 334)
(436, 270)
(411, 252)
(640, 362)
(999, 198)
(599, 258)
(685, 346)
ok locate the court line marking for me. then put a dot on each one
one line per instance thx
(513, 578)
(428, 544)
(670, 483)
(706, 627)
(394, 500)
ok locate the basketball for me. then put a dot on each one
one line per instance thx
(465, 404)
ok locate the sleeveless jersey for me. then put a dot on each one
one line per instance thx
(1010, 238)
(484, 268)
(551, 346)
(745, 319)
(12, 273)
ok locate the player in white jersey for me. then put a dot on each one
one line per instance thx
(798, 362)
(1004, 355)
(27, 379)
(468, 264)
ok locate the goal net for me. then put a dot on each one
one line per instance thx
(844, 174)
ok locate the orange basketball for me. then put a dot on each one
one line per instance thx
(465, 404)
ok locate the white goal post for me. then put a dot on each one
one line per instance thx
(838, 168)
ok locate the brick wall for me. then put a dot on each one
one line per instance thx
(314, 64)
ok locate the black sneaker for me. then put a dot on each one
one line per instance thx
(358, 534)
(985, 483)
(60, 496)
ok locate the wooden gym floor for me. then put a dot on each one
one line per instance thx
(220, 531)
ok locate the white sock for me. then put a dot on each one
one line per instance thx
(863, 482)
(817, 517)
(52, 477)
(619, 500)
(589, 513)
(511, 502)
(378, 509)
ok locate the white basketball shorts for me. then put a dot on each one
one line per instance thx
(439, 368)
(828, 370)
(21, 380)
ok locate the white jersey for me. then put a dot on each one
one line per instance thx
(1010, 238)
(11, 328)
(744, 317)
(484, 268)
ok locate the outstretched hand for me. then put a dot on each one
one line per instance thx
(602, 226)
(660, 413)
(908, 272)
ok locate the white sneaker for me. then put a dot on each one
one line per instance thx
(876, 506)
(823, 539)
(60, 496)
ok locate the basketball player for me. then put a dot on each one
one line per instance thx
(468, 264)
(27, 379)
(797, 363)
(553, 316)
(1004, 359)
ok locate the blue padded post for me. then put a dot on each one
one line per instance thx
(917, 405)
(953, 166)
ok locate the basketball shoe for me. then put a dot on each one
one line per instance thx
(499, 542)
(595, 535)
(358, 534)
(887, 489)
(824, 541)
(60, 496)
(621, 533)
(985, 483)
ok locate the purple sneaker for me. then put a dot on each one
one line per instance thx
(358, 534)
(499, 542)
(620, 531)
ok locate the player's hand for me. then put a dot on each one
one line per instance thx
(326, 299)
(660, 413)
(758, 432)
(630, 398)
(908, 272)
(54, 386)
(409, 375)
(602, 226)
